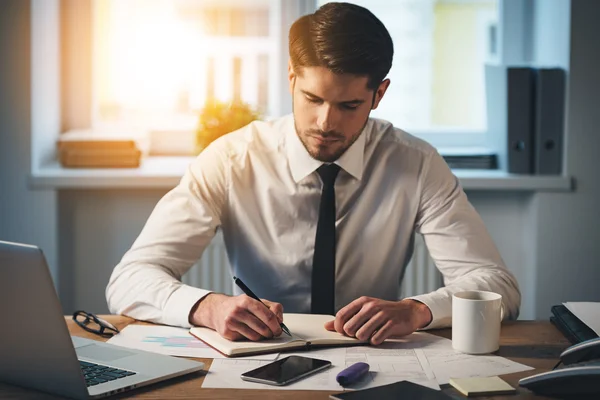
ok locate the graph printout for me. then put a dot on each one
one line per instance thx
(169, 340)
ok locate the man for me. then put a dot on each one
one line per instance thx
(318, 210)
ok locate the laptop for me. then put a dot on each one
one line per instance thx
(38, 352)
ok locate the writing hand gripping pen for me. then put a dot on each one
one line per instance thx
(250, 293)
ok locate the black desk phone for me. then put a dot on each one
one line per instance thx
(578, 376)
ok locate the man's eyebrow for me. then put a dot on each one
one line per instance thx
(314, 96)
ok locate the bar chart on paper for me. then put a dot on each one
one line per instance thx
(161, 339)
(168, 340)
(180, 342)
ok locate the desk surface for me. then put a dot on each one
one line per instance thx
(533, 343)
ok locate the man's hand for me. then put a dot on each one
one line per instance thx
(375, 320)
(239, 317)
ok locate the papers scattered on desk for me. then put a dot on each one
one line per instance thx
(225, 373)
(587, 312)
(169, 340)
(420, 358)
(448, 364)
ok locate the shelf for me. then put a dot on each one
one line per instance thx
(165, 173)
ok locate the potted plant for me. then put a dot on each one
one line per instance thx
(219, 118)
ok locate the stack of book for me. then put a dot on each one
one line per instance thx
(84, 149)
(469, 158)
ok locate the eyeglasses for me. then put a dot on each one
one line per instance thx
(94, 324)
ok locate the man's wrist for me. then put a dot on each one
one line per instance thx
(199, 315)
(423, 312)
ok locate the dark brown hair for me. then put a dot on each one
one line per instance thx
(344, 38)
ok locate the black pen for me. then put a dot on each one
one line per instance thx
(250, 293)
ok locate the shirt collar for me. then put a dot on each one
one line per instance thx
(302, 164)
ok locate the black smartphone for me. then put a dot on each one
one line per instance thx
(286, 370)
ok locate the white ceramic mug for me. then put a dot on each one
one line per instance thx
(476, 317)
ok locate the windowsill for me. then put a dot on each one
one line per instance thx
(165, 173)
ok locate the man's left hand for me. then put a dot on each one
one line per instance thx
(375, 320)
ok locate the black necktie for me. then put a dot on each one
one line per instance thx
(323, 272)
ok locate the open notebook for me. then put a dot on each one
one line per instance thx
(307, 331)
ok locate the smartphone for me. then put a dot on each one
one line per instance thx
(286, 370)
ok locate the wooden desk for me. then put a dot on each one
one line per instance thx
(532, 343)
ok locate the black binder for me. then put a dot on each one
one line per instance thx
(572, 327)
(549, 120)
(520, 124)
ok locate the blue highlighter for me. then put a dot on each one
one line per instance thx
(352, 374)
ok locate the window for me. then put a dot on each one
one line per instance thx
(156, 62)
(440, 49)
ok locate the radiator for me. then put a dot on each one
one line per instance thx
(212, 271)
(421, 275)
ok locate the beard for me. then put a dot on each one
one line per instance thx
(336, 143)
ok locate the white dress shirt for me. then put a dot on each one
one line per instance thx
(260, 186)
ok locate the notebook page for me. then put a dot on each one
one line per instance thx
(311, 327)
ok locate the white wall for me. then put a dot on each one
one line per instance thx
(25, 216)
(97, 228)
(568, 224)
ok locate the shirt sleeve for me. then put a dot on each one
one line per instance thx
(146, 284)
(460, 246)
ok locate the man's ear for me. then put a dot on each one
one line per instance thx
(380, 92)
(291, 76)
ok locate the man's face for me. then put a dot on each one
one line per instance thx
(330, 110)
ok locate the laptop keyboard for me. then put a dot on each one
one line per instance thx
(95, 373)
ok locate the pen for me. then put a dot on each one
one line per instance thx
(250, 293)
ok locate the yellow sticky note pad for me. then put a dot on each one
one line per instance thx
(482, 386)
